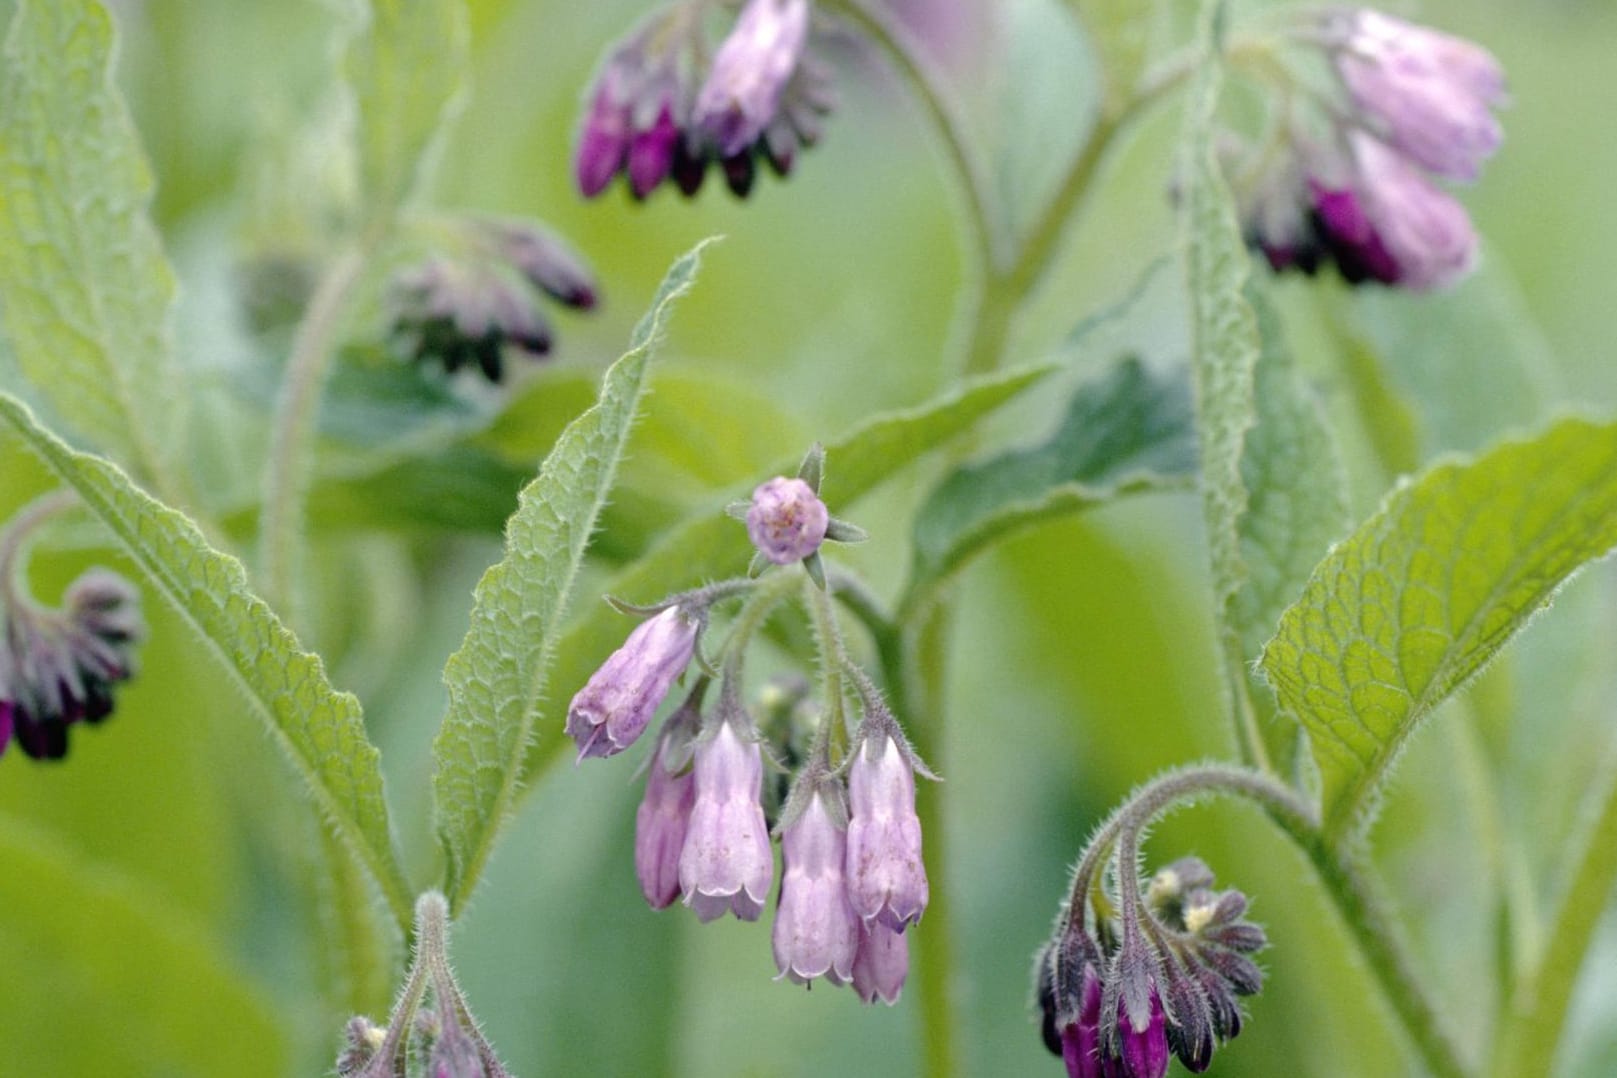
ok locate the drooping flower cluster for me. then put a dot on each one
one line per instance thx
(58, 667)
(1118, 996)
(477, 300)
(1408, 106)
(660, 108)
(852, 878)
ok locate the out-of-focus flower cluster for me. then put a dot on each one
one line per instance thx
(852, 878)
(477, 300)
(58, 667)
(1119, 994)
(666, 105)
(1352, 182)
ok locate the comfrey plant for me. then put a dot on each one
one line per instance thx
(852, 877)
(667, 106)
(299, 468)
(1346, 177)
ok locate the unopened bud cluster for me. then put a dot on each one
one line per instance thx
(476, 301)
(667, 105)
(1118, 998)
(1352, 183)
(852, 878)
(59, 667)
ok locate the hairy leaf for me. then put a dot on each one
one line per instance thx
(709, 545)
(1129, 430)
(405, 67)
(320, 729)
(1429, 589)
(160, 998)
(497, 679)
(1296, 506)
(84, 286)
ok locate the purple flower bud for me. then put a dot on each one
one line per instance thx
(886, 876)
(1144, 1047)
(651, 152)
(1430, 93)
(1080, 1040)
(6, 724)
(750, 70)
(1425, 231)
(816, 933)
(660, 825)
(881, 963)
(726, 863)
(787, 520)
(604, 140)
(611, 712)
(547, 262)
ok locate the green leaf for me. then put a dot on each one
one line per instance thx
(86, 288)
(1129, 430)
(1296, 508)
(709, 545)
(1423, 594)
(320, 729)
(159, 995)
(405, 68)
(497, 679)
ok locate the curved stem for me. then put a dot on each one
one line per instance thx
(286, 473)
(931, 90)
(19, 529)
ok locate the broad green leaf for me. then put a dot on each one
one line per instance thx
(1129, 430)
(710, 546)
(320, 729)
(1423, 594)
(405, 68)
(497, 678)
(84, 286)
(1296, 506)
(158, 994)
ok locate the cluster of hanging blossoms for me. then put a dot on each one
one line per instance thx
(1348, 176)
(852, 878)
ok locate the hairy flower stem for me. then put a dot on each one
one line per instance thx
(291, 452)
(1351, 890)
(833, 658)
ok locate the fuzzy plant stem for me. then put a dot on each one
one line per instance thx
(292, 435)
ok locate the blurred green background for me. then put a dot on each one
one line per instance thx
(161, 909)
